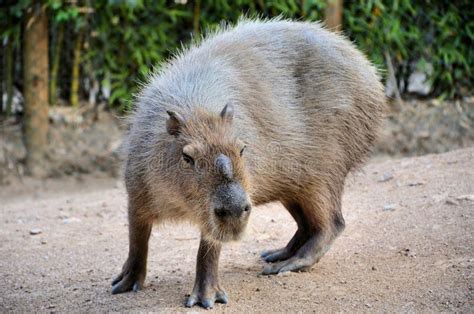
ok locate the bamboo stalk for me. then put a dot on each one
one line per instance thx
(53, 83)
(75, 80)
(197, 17)
(9, 54)
(333, 14)
(2, 76)
(393, 79)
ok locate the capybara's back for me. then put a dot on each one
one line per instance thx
(263, 111)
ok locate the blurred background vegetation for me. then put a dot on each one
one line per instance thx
(101, 50)
(74, 54)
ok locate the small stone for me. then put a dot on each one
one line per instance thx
(424, 134)
(407, 252)
(35, 231)
(44, 242)
(284, 274)
(70, 220)
(416, 183)
(450, 201)
(374, 268)
(466, 197)
(368, 305)
(389, 207)
(258, 289)
(387, 176)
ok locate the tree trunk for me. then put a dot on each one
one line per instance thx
(53, 83)
(333, 14)
(35, 77)
(76, 63)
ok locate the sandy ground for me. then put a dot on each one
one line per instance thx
(408, 247)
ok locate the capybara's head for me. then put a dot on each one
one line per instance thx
(212, 173)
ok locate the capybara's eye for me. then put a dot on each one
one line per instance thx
(242, 150)
(188, 159)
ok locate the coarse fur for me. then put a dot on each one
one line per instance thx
(306, 104)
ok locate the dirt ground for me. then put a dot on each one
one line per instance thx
(408, 247)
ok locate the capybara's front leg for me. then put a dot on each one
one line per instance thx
(133, 272)
(207, 290)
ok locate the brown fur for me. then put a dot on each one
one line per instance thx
(305, 102)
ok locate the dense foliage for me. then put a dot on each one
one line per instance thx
(432, 36)
(115, 43)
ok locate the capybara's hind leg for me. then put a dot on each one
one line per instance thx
(308, 255)
(134, 270)
(300, 237)
(286, 252)
(322, 226)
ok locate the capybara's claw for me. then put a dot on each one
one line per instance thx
(206, 302)
(266, 253)
(292, 264)
(124, 283)
(137, 286)
(271, 256)
(117, 279)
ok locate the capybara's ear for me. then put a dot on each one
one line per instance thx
(227, 113)
(174, 123)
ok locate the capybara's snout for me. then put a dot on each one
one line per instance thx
(233, 211)
(231, 203)
(230, 212)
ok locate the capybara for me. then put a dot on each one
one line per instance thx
(259, 112)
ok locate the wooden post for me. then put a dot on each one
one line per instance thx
(35, 78)
(333, 14)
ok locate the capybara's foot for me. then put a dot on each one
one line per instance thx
(206, 297)
(305, 257)
(271, 256)
(288, 251)
(131, 278)
(207, 290)
(291, 264)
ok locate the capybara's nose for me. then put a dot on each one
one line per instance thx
(233, 211)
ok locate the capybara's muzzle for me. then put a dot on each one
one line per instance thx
(231, 202)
